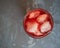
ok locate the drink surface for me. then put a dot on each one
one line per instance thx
(38, 23)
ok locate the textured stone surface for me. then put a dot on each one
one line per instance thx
(12, 34)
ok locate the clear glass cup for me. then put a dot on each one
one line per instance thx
(52, 8)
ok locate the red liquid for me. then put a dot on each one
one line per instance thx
(38, 23)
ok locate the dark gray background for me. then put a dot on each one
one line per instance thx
(12, 34)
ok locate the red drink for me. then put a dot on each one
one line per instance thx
(38, 23)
